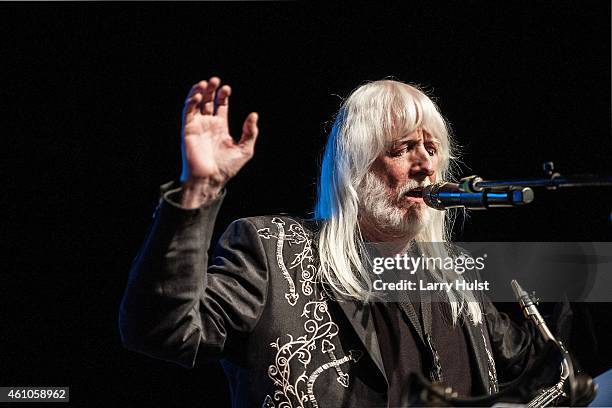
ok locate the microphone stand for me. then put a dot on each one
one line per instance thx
(552, 181)
(477, 194)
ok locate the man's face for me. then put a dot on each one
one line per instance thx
(410, 163)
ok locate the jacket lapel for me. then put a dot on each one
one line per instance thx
(476, 341)
(360, 317)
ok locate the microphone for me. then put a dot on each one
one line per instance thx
(445, 195)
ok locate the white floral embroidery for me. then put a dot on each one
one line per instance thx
(268, 403)
(328, 348)
(296, 391)
(292, 296)
(318, 326)
(303, 259)
(354, 355)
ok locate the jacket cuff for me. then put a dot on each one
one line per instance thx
(169, 206)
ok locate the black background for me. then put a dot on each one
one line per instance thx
(91, 100)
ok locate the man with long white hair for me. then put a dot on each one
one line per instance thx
(286, 304)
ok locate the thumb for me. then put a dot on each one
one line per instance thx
(249, 133)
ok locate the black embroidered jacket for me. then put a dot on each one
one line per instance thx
(258, 308)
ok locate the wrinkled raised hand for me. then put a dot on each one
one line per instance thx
(210, 155)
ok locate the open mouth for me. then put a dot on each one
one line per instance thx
(415, 192)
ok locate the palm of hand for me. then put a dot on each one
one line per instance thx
(209, 151)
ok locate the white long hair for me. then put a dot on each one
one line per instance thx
(367, 122)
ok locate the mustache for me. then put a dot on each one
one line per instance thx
(411, 185)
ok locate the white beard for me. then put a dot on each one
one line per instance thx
(390, 214)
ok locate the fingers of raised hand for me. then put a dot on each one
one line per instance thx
(208, 95)
(194, 98)
(208, 103)
(223, 100)
(249, 134)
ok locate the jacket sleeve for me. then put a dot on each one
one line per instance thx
(174, 305)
